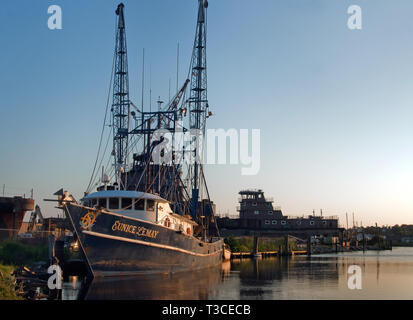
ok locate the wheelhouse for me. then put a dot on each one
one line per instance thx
(140, 205)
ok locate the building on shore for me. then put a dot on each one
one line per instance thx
(257, 212)
(12, 211)
(59, 227)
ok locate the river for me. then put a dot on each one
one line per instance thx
(384, 275)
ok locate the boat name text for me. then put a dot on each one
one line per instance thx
(139, 231)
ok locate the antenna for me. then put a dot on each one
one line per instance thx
(347, 220)
(143, 76)
(353, 219)
(177, 67)
(169, 90)
(150, 88)
(159, 103)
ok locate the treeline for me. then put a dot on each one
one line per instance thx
(394, 232)
(405, 230)
(19, 254)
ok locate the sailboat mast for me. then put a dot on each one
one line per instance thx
(121, 102)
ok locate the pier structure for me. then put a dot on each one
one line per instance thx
(12, 211)
(284, 250)
(259, 218)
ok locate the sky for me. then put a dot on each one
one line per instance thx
(334, 105)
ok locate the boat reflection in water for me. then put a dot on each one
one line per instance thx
(236, 279)
(261, 271)
(385, 275)
(197, 285)
(281, 278)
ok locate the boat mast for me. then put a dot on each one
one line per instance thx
(121, 102)
(198, 101)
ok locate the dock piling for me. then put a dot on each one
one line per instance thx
(286, 247)
(309, 246)
(255, 249)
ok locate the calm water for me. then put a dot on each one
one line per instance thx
(385, 275)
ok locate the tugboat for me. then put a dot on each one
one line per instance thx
(152, 216)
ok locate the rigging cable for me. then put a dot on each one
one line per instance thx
(104, 122)
(103, 157)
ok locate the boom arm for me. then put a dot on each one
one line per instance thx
(35, 214)
(175, 101)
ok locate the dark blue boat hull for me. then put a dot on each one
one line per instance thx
(117, 245)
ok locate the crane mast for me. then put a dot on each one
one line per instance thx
(144, 175)
(121, 102)
(198, 101)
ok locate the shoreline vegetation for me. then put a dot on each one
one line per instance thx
(21, 254)
(246, 244)
(13, 255)
(8, 283)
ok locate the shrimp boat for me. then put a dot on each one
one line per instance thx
(154, 215)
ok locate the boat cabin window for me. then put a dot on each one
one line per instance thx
(126, 204)
(167, 223)
(102, 202)
(139, 204)
(150, 205)
(113, 203)
(90, 203)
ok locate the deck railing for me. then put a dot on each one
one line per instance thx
(313, 217)
(266, 199)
